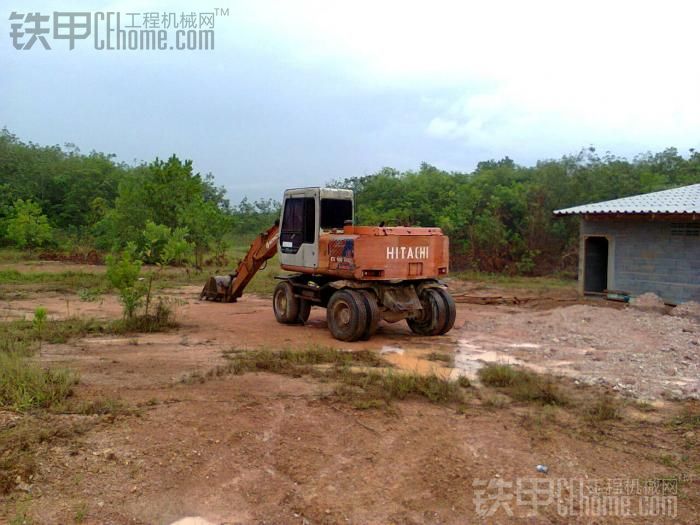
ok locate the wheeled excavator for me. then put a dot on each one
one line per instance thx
(360, 274)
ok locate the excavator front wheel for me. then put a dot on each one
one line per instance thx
(284, 304)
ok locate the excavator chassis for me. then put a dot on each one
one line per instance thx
(354, 308)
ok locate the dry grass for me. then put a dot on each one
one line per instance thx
(19, 444)
(604, 408)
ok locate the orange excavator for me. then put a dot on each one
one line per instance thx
(360, 274)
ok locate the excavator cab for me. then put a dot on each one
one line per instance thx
(306, 213)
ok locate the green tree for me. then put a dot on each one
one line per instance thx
(158, 199)
(27, 227)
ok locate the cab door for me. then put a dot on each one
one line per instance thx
(298, 241)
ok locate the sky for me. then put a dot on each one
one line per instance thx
(299, 92)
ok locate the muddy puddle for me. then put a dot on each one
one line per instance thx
(464, 357)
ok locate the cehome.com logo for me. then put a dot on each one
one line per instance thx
(114, 31)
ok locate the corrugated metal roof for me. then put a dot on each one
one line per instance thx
(678, 200)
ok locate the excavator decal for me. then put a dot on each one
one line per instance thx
(341, 254)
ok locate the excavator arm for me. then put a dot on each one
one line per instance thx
(228, 288)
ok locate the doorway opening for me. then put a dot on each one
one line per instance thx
(596, 265)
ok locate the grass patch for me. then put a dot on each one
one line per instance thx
(498, 375)
(511, 281)
(162, 319)
(25, 385)
(95, 407)
(644, 406)
(68, 281)
(522, 385)
(689, 418)
(446, 358)
(18, 446)
(604, 408)
(80, 512)
(13, 255)
(90, 285)
(464, 382)
(23, 337)
(364, 378)
(389, 385)
(289, 361)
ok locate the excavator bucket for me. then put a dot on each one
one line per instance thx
(217, 288)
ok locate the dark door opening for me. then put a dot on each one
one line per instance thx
(595, 277)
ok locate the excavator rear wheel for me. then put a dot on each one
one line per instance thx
(284, 304)
(346, 315)
(304, 310)
(451, 310)
(373, 314)
(433, 317)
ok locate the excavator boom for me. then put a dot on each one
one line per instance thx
(228, 288)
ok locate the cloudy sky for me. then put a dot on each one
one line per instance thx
(297, 93)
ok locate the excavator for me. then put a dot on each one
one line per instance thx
(361, 275)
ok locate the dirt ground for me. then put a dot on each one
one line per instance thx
(266, 448)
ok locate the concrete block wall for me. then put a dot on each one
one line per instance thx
(643, 256)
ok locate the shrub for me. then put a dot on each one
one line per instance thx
(123, 274)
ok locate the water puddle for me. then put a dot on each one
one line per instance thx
(465, 357)
(416, 360)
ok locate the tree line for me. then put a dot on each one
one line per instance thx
(163, 211)
(498, 216)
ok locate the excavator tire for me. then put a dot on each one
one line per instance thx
(373, 315)
(346, 315)
(451, 310)
(284, 304)
(433, 317)
(304, 310)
